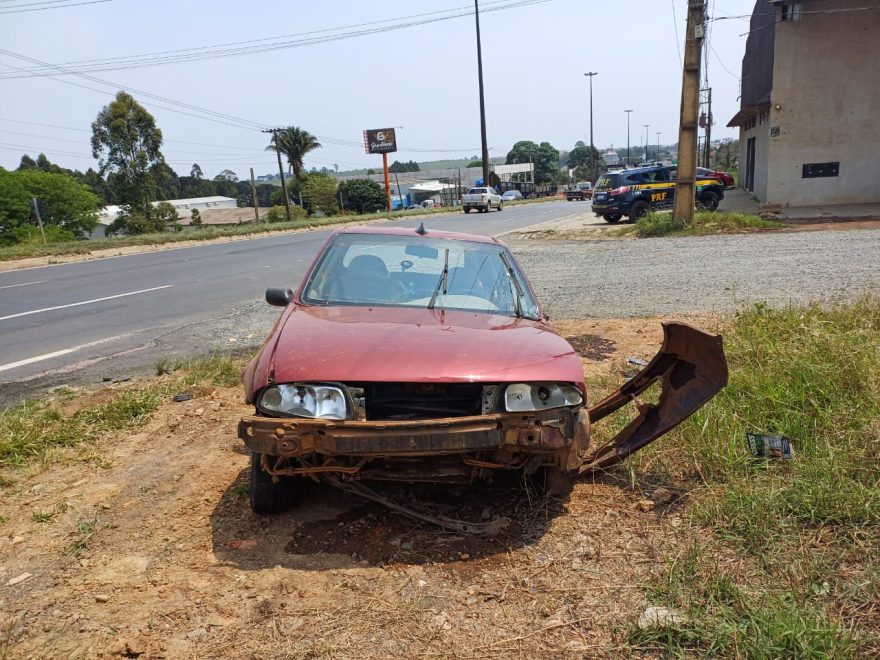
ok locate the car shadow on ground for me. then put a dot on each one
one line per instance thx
(329, 528)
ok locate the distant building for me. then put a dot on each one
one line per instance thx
(610, 156)
(809, 134)
(184, 207)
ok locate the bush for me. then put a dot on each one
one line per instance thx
(277, 214)
(195, 218)
(30, 235)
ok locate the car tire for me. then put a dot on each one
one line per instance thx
(467, 209)
(267, 497)
(639, 210)
(709, 200)
(612, 218)
(500, 206)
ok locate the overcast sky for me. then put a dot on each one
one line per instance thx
(422, 78)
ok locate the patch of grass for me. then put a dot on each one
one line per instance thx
(83, 533)
(809, 528)
(31, 431)
(3, 520)
(705, 223)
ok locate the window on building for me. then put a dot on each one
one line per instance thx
(791, 11)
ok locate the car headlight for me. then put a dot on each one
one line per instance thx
(306, 400)
(528, 397)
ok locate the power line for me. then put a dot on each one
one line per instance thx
(58, 6)
(276, 43)
(675, 25)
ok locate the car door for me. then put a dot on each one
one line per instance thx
(660, 190)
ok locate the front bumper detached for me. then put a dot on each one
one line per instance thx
(542, 432)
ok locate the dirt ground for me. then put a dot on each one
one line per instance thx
(153, 552)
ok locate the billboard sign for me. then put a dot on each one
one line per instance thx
(380, 141)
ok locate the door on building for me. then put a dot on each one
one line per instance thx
(750, 164)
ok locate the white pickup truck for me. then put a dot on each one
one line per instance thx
(482, 199)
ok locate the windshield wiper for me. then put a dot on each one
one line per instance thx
(516, 286)
(443, 281)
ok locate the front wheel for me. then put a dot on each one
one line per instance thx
(709, 200)
(267, 496)
(467, 209)
(611, 218)
(500, 205)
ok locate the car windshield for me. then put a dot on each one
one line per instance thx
(404, 271)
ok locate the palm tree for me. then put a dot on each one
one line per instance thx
(294, 143)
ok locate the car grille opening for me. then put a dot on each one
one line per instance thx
(422, 400)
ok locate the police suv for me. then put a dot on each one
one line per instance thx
(635, 192)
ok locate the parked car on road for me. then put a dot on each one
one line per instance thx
(482, 199)
(635, 192)
(511, 196)
(416, 355)
(723, 177)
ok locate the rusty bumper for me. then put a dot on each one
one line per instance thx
(540, 432)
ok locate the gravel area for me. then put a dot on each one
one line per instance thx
(644, 277)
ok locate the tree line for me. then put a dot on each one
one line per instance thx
(133, 174)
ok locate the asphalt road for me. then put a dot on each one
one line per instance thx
(110, 318)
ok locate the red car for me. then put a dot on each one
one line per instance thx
(725, 178)
(417, 355)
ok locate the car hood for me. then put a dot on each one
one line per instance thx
(393, 344)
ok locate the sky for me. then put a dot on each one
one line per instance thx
(421, 79)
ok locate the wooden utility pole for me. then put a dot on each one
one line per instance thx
(274, 132)
(685, 184)
(39, 220)
(254, 196)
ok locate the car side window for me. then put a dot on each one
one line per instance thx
(633, 178)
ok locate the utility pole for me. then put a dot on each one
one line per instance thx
(658, 145)
(685, 184)
(399, 195)
(254, 196)
(647, 126)
(708, 139)
(274, 132)
(39, 220)
(484, 142)
(628, 112)
(592, 148)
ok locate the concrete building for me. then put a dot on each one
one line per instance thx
(809, 134)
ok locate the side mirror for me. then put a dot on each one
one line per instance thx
(279, 297)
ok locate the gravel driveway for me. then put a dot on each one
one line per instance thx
(644, 277)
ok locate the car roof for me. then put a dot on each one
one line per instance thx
(636, 170)
(431, 233)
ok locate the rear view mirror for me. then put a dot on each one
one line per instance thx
(279, 297)
(424, 251)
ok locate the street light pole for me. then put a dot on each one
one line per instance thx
(658, 145)
(627, 137)
(484, 143)
(647, 126)
(592, 148)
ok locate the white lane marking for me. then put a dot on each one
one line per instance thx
(65, 351)
(12, 286)
(85, 302)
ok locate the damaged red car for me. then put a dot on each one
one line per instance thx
(422, 355)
